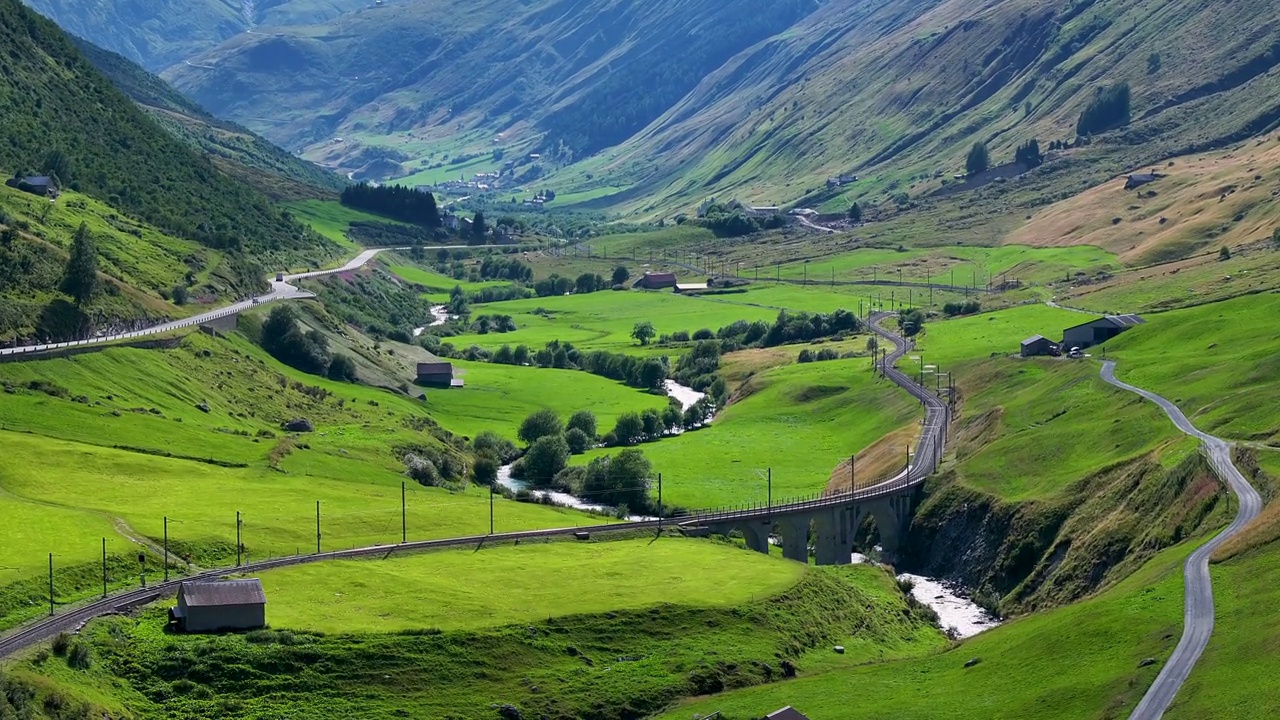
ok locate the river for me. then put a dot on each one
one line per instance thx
(686, 396)
(441, 316)
(955, 611)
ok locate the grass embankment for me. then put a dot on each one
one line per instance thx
(435, 285)
(961, 266)
(1083, 660)
(498, 397)
(624, 663)
(121, 434)
(1220, 363)
(332, 219)
(800, 420)
(511, 584)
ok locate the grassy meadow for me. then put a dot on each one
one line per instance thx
(332, 219)
(498, 397)
(741, 621)
(436, 285)
(800, 420)
(980, 336)
(107, 444)
(1218, 362)
(1082, 660)
(465, 589)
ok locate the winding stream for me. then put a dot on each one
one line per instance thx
(441, 317)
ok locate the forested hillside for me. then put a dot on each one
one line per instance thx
(235, 149)
(61, 115)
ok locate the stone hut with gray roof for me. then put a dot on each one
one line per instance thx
(212, 606)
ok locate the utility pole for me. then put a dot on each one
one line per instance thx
(239, 544)
(491, 509)
(50, 584)
(853, 478)
(142, 569)
(166, 548)
(317, 527)
(104, 568)
(659, 503)
(769, 478)
(404, 525)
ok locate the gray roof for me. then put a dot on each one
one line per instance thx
(224, 592)
(38, 180)
(435, 368)
(1120, 321)
(1033, 339)
(786, 713)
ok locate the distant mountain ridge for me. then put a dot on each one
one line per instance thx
(651, 107)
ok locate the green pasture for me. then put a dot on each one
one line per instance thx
(1082, 660)
(1233, 678)
(800, 420)
(1180, 284)
(1219, 362)
(332, 219)
(498, 397)
(947, 342)
(604, 320)
(959, 265)
(438, 286)
(463, 589)
(1049, 423)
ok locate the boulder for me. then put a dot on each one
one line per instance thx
(299, 425)
(839, 649)
(203, 407)
(972, 662)
(1147, 662)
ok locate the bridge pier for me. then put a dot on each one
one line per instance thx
(834, 542)
(892, 515)
(795, 538)
(754, 532)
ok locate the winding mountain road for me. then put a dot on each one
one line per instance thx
(1198, 610)
(280, 290)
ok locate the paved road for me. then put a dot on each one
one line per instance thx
(1198, 611)
(280, 290)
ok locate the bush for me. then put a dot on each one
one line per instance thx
(545, 458)
(539, 425)
(577, 440)
(61, 643)
(342, 367)
(490, 443)
(704, 334)
(585, 421)
(1108, 109)
(629, 430)
(485, 470)
(81, 656)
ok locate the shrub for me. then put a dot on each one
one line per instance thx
(61, 643)
(585, 421)
(629, 430)
(704, 334)
(490, 443)
(545, 458)
(539, 425)
(81, 656)
(342, 367)
(485, 470)
(577, 440)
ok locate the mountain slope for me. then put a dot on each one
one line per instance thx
(587, 72)
(790, 94)
(159, 33)
(234, 149)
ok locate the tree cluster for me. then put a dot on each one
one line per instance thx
(823, 355)
(911, 321)
(978, 161)
(485, 324)
(1028, 154)
(394, 201)
(308, 351)
(1108, 109)
(969, 307)
(499, 267)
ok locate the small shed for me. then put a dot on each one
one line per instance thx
(786, 713)
(437, 374)
(1137, 180)
(211, 606)
(1098, 331)
(42, 185)
(656, 281)
(1036, 345)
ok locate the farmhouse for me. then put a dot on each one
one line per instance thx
(437, 374)
(656, 281)
(1137, 180)
(1036, 345)
(220, 605)
(1098, 331)
(36, 185)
